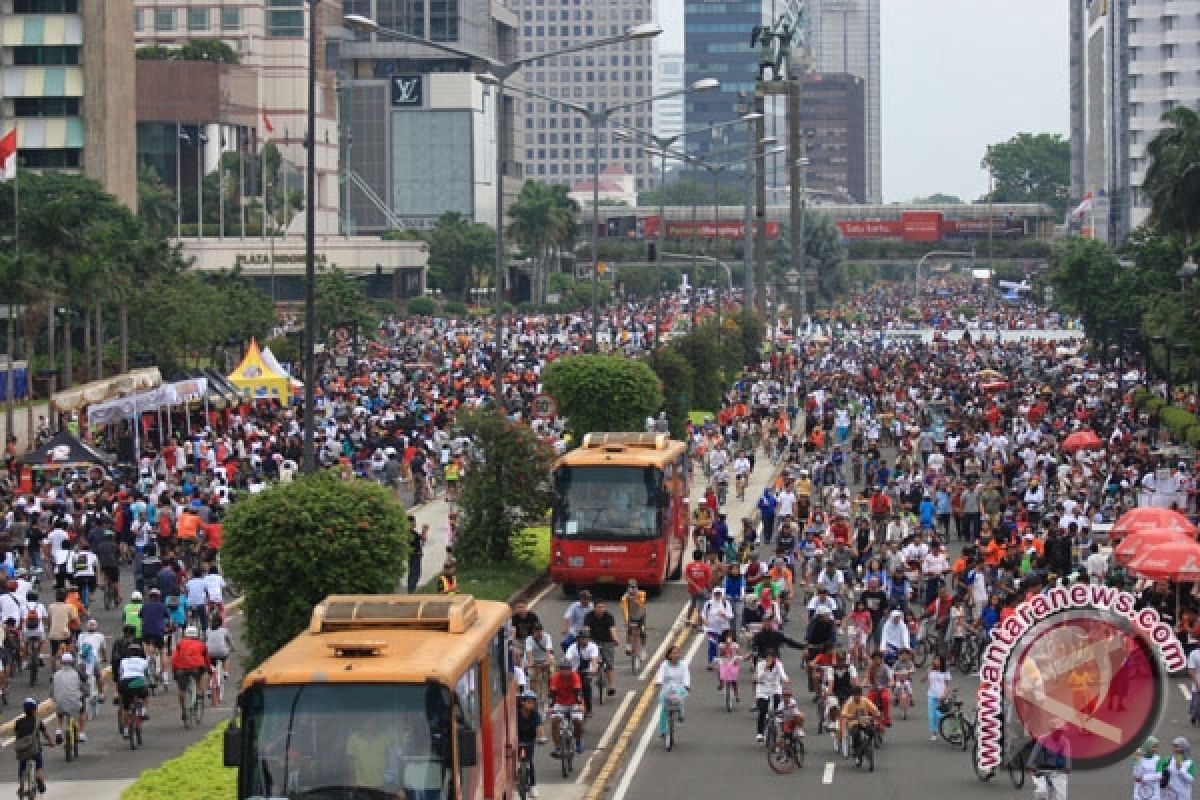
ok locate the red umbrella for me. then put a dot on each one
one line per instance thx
(1151, 518)
(1146, 541)
(1082, 440)
(994, 386)
(1178, 561)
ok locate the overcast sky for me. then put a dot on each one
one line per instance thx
(958, 75)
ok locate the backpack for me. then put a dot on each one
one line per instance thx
(33, 620)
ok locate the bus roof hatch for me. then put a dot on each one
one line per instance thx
(617, 442)
(357, 612)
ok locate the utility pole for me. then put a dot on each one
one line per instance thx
(796, 184)
(760, 200)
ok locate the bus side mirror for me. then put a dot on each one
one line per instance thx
(233, 745)
(467, 753)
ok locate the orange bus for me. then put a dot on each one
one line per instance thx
(621, 510)
(382, 697)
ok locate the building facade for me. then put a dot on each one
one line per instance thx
(717, 45)
(843, 37)
(1130, 63)
(270, 38)
(419, 130)
(668, 77)
(555, 142)
(67, 86)
(832, 115)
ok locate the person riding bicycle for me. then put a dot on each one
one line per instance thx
(155, 619)
(857, 718)
(583, 656)
(566, 698)
(131, 614)
(131, 667)
(92, 651)
(633, 607)
(531, 730)
(30, 734)
(674, 678)
(108, 554)
(840, 682)
(770, 679)
(1050, 763)
(793, 717)
(879, 684)
(70, 691)
(190, 662)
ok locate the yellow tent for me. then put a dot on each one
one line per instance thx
(256, 380)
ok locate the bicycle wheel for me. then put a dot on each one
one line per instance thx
(950, 728)
(134, 724)
(1016, 770)
(189, 704)
(779, 758)
(601, 686)
(33, 670)
(772, 735)
(523, 781)
(729, 696)
(869, 753)
(669, 740)
(200, 702)
(68, 749)
(967, 662)
(567, 744)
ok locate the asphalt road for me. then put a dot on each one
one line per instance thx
(106, 755)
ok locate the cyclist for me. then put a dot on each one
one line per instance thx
(189, 663)
(155, 616)
(1050, 763)
(583, 656)
(879, 684)
(840, 682)
(131, 667)
(220, 647)
(531, 729)
(34, 627)
(851, 725)
(674, 676)
(83, 567)
(566, 697)
(92, 651)
(131, 614)
(197, 599)
(602, 625)
(70, 691)
(30, 734)
(108, 555)
(770, 678)
(633, 607)
(539, 655)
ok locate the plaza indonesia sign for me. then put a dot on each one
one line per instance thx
(1082, 661)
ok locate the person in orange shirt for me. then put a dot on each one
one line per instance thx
(187, 528)
(994, 553)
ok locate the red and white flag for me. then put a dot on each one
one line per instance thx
(1085, 206)
(267, 122)
(8, 156)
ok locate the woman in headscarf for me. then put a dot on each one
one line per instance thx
(1181, 770)
(895, 636)
(1147, 771)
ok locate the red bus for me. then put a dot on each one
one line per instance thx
(620, 511)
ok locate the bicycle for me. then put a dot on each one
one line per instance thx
(70, 742)
(635, 635)
(863, 742)
(673, 708)
(27, 785)
(35, 660)
(566, 743)
(524, 771)
(955, 728)
(135, 723)
(539, 681)
(110, 596)
(600, 680)
(152, 672)
(968, 651)
(93, 700)
(903, 697)
(193, 702)
(785, 751)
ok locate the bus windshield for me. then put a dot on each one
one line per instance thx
(606, 502)
(337, 742)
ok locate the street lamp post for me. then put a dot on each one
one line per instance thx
(500, 72)
(310, 250)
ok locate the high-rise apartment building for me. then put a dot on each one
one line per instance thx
(67, 86)
(843, 37)
(271, 39)
(556, 142)
(668, 77)
(1130, 62)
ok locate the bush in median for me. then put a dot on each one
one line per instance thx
(196, 774)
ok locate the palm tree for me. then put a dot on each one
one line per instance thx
(1173, 178)
(543, 220)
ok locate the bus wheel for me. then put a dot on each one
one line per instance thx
(654, 591)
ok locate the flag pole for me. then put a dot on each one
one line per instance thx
(11, 380)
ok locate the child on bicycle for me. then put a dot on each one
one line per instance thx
(729, 663)
(902, 672)
(30, 734)
(633, 608)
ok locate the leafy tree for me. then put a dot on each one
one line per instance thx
(297, 543)
(153, 52)
(676, 376)
(701, 348)
(602, 392)
(207, 50)
(405, 235)
(421, 307)
(460, 253)
(156, 202)
(505, 486)
(341, 300)
(1173, 178)
(543, 221)
(823, 251)
(750, 333)
(693, 188)
(938, 199)
(1031, 168)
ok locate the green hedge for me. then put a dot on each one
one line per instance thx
(1183, 424)
(197, 774)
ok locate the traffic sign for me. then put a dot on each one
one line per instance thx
(545, 407)
(792, 275)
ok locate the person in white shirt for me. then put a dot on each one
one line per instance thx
(717, 615)
(1096, 564)
(584, 657)
(769, 680)
(673, 677)
(93, 653)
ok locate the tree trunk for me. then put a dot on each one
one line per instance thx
(87, 342)
(30, 433)
(99, 340)
(123, 323)
(68, 361)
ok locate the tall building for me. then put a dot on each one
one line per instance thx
(271, 39)
(831, 114)
(668, 77)
(1130, 63)
(420, 130)
(844, 38)
(717, 45)
(67, 83)
(556, 142)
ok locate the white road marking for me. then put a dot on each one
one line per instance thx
(541, 595)
(827, 778)
(667, 638)
(648, 735)
(609, 732)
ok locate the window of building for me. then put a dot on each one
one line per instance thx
(57, 158)
(1168, 23)
(1168, 79)
(231, 19)
(1168, 51)
(285, 18)
(197, 19)
(45, 56)
(45, 107)
(443, 20)
(137, 20)
(164, 20)
(45, 7)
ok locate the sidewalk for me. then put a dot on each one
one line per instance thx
(434, 514)
(92, 790)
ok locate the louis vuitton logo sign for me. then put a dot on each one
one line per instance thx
(406, 90)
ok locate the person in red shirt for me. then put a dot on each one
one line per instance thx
(698, 575)
(189, 662)
(566, 697)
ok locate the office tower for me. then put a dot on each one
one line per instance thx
(668, 77)
(717, 45)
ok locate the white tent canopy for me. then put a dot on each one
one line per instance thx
(170, 394)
